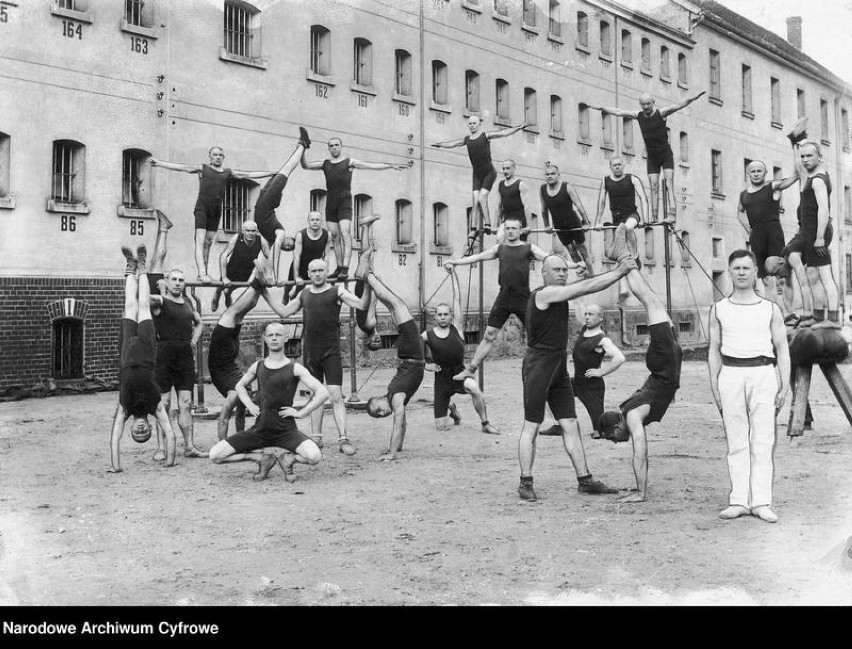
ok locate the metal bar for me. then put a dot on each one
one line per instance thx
(200, 408)
(587, 228)
(279, 284)
(481, 296)
(353, 374)
(667, 249)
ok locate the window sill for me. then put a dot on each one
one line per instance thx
(628, 150)
(846, 148)
(556, 38)
(532, 128)
(251, 62)
(583, 48)
(685, 165)
(467, 112)
(584, 142)
(139, 30)
(470, 6)
(777, 125)
(500, 18)
(502, 121)
(7, 202)
(364, 90)
(67, 208)
(627, 65)
(719, 196)
(649, 262)
(557, 135)
(532, 29)
(665, 79)
(716, 101)
(441, 108)
(404, 248)
(646, 72)
(747, 114)
(825, 142)
(79, 16)
(608, 146)
(435, 249)
(136, 212)
(605, 57)
(325, 79)
(404, 99)
(682, 85)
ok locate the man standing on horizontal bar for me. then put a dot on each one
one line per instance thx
(561, 203)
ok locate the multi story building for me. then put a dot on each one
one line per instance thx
(90, 90)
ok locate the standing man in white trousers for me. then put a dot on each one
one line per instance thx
(749, 364)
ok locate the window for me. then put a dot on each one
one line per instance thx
(746, 163)
(716, 171)
(403, 221)
(68, 348)
(554, 23)
(135, 183)
(775, 94)
(402, 76)
(583, 123)
(439, 83)
(649, 243)
(718, 249)
(363, 207)
(606, 40)
(626, 48)
(682, 70)
(242, 30)
(555, 115)
(320, 50)
(362, 73)
(317, 201)
(823, 121)
(665, 64)
(441, 224)
(68, 172)
(236, 204)
(684, 249)
(800, 103)
(471, 89)
(715, 76)
(844, 125)
(79, 7)
(139, 13)
(606, 130)
(747, 104)
(5, 170)
(847, 204)
(502, 98)
(501, 7)
(529, 13)
(849, 273)
(627, 133)
(684, 148)
(530, 107)
(582, 30)
(646, 55)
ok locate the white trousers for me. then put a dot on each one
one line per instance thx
(748, 412)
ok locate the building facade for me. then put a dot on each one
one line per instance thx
(92, 89)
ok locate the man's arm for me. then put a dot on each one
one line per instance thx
(578, 204)
(156, 302)
(821, 193)
(742, 217)
(198, 330)
(784, 183)
(314, 166)
(350, 299)
(175, 166)
(714, 356)
(297, 258)
(639, 188)
(378, 166)
(242, 392)
(612, 360)
(668, 110)
(283, 311)
(505, 132)
(237, 173)
(319, 394)
(526, 202)
(601, 204)
(458, 316)
(485, 255)
(225, 257)
(618, 112)
(115, 438)
(782, 355)
(169, 436)
(451, 144)
(552, 294)
(264, 247)
(545, 213)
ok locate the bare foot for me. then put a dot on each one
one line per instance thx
(632, 498)
(159, 455)
(466, 373)
(286, 461)
(387, 456)
(194, 452)
(205, 279)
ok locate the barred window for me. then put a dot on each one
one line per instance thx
(582, 29)
(715, 75)
(67, 348)
(317, 201)
(402, 69)
(716, 171)
(68, 172)
(556, 114)
(439, 83)
(363, 207)
(320, 50)
(403, 221)
(555, 18)
(236, 206)
(530, 107)
(441, 224)
(471, 87)
(242, 29)
(362, 73)
(139, 13)
(502, 99)
(134, 178)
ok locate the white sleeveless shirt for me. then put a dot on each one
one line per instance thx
(746, 328)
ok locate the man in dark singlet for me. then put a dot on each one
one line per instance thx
(277, 378)
(310, 243)
(652, 124)
(514, 279)
(594, 356)
(179, 329)
(759, 214)
(237, 260)
(622, 189)
(545, 371)
(138, 394)
(321, 343)
(478, 145)
(558, 203)
(650, 402)
(213, 179)
(338, 201)
(445, 351)
(513, 200)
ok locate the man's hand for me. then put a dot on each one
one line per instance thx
(626, 265)
(594, 373)
(300, 281)
(718, 399)
(780, 398)
(820, 247)
(582, 270)
(254, 409)
(153, 162)
(525, 231)
(432, 367)
(449, 265)
(289, 411)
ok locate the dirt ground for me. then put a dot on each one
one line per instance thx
(443, 525)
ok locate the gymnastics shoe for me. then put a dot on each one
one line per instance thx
(526, 492)
(454, 414)
(141, 258)
(264, 466)
(732, 512)
(345, 446)
(765, 514)
(592, 486)
(799, 131)
(304, 139)
(554, 431)
(286, 461)
(131, 260)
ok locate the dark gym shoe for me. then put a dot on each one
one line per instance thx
(799, 131)
(345, 446)
(264, 466)
(131, 260)
(489, 429)
(304, 139)
(141, 258)
(555, 431)
(526, 492)
(454, 414)
(286, 462)
(595, 487)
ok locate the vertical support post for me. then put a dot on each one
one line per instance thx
(840, 388)
(198, 407)
(801, 388)
(481, 295)
(353, 375)
(667, 247)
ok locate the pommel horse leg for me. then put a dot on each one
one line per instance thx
(801, 389)
(840, 388)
